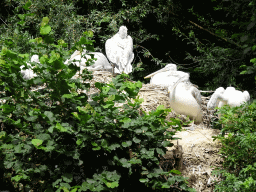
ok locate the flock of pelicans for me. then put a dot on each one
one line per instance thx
(185, 98)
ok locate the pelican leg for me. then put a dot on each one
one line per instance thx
(192, 127)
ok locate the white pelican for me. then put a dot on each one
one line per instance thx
(29, 73)
(184, 97)
(167, 76)
(230, 96)
(100, 64)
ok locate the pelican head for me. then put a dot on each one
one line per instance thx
(168, 67)
(213, 102)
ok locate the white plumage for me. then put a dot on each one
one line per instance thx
(28, 73)
(230, 96)
(100, 64)
(184, 97)
(167, 76)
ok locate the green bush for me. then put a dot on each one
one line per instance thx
(54, 139)
(239, 148)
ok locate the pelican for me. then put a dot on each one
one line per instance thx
(167, 76)
(100, 64)
(184, 97)
(230, 96)
(29, 73)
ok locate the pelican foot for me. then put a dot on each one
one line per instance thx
(192, 127)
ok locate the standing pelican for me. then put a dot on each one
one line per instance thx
(184, 97)
(230, 96)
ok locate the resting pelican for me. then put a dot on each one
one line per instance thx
(167, 76)
(184, 97)
(100, 64)
(230, 96)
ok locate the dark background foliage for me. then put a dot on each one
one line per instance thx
(209, 39)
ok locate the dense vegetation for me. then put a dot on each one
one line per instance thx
(216, 40)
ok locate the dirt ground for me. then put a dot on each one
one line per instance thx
(198, 154)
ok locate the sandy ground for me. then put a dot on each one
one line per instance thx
(198, 154)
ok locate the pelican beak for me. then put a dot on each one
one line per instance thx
(152, 74)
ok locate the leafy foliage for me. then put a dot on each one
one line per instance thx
(55, 139)
(239, 172)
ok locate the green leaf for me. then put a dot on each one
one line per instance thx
(45, 30)
(17, 148)
(112, 185)
(59, 127)
(36, 142)
(126, 144)
(144, 180)
(175, 172)
(45, 21)
(2, 135)
(67, 177)
(138, 131)
(136, 140)
(50, 116)
(17, 178)
(27, 5)
(43, 136)
(67, 96)
(160, 151)
(171, 180)
(79, 141)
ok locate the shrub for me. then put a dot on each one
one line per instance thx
(239, 148)
(54, 139)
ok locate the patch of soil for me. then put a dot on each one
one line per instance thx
(199, 156)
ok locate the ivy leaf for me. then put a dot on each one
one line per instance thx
(50, 116)
(136, 140)
(126, 144)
